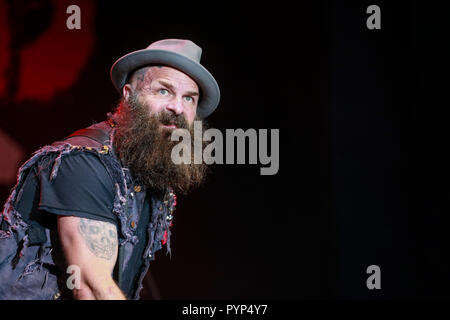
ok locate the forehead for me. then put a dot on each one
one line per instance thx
(172, 75)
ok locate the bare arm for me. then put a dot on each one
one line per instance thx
(92, 246)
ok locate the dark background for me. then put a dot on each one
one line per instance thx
(363, 139)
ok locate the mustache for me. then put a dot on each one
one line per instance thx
(167, 118)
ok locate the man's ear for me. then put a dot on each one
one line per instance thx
(126, 91)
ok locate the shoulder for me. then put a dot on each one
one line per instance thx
(81, 184)
(82, 159)
(70, 166)
(94, 136)
(81, 187)
(83, 164)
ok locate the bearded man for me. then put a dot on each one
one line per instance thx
(89, 211)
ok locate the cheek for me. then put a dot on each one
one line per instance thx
(190, 115)
(154, 107)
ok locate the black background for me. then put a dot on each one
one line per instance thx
(363, 146)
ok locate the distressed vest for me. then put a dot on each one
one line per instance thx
(31, 261)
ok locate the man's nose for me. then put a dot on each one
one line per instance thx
(175, 106)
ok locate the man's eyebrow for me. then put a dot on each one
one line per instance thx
(171, 87)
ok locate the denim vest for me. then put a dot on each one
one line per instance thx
(31, 261)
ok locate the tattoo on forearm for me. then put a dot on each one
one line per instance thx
(100, 237)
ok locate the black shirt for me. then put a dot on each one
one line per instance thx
(83, 188)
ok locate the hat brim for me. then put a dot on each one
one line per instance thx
(210, 93)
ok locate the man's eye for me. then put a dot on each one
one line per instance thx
(189, 99)
(163, 92)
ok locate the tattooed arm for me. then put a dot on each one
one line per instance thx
(91, 245)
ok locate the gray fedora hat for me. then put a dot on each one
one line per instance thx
(183, 55)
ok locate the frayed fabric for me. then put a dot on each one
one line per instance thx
(23, 272)
(119, 208)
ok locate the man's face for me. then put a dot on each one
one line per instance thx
(165, 90)
(155, 102)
